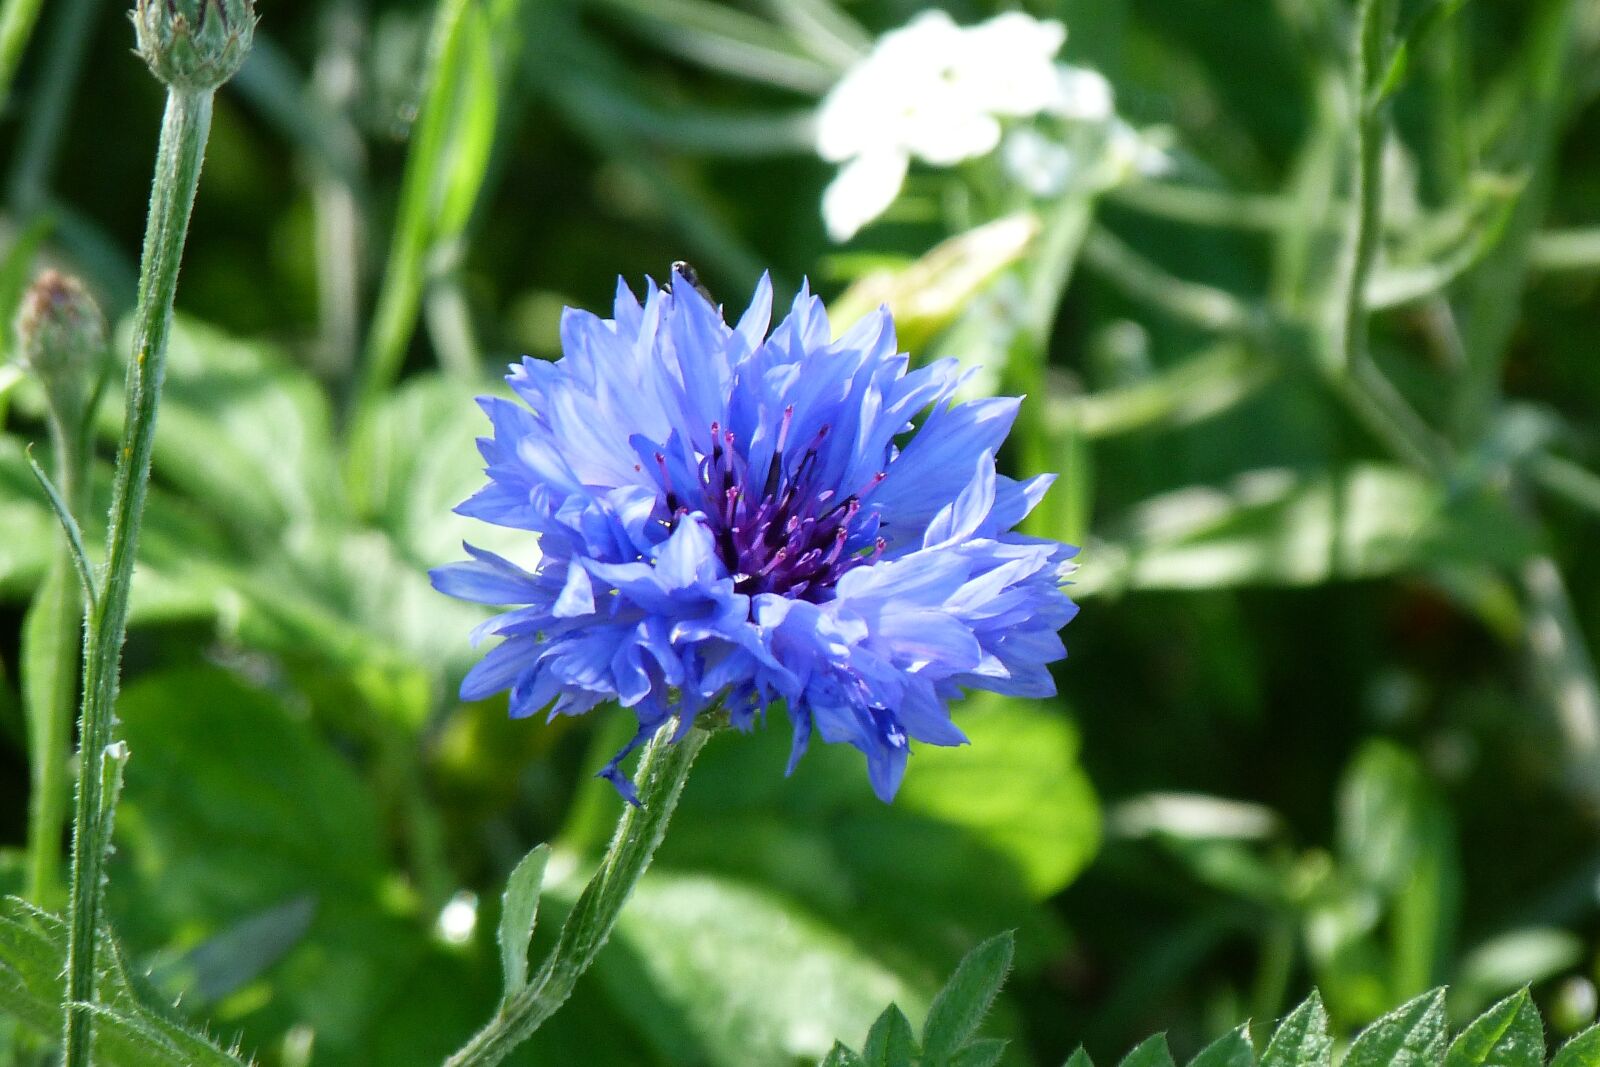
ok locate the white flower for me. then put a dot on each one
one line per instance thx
(933, 91)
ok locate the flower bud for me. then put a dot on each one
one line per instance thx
(61, 340)
(194, 45)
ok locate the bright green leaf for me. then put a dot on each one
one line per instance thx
(1581, 1051)
(839, 1056)
(890, 1042)
(691, 965)
(1231, 1050)
(1301, 1040)
(1151, 1052)
(961, 1006)
(519, 910)
(984, 1052)
(1510, 1034)
(1413, 1035)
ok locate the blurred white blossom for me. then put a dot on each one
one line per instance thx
(941, 93)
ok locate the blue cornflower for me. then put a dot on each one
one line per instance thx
(727, 516)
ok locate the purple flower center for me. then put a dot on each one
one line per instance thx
(789, 535)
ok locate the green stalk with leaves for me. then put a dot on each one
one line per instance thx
(529, 1000)
(193, 46)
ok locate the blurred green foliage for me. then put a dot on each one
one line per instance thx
(1331, 687)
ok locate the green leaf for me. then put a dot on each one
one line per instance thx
(1396, 831)
(1040, 810)
(1413, 1035)
(1079, 1058)
(1151, 1052)
(131, 1031)
(891, 1041)
(691, 965)
(519, 910)
(1510, 1034)
(1030, 821)
(1233, 1049)
(243, 430)
(1281, 527)
(234, 804)
(1301, 1040)
(1581, 1051)
(984, 1052)
(238, 955)
(961, 1006)
(839, 1056)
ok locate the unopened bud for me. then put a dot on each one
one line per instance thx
(194, 45)
(61, 340)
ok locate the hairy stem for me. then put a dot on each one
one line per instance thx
(53, 637)
(663, 769)
(183, 138)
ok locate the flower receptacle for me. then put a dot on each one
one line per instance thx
(194, 45)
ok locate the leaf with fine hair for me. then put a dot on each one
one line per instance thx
(984, 1052)
(960, 1007)
(1233, 1049)
(1151, 1052)
(519, 911)
(1581, 1051)
(890, 1042)
(1510, 1034)
(132, 1028)
(839, 1056)
(1302, 1039)
(1413, 1035)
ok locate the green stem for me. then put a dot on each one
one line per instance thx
(1365, 212)
(54, 636)
(663, 769)
(177, 175)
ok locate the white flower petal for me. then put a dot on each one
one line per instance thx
(1082, 94)
(861, 191)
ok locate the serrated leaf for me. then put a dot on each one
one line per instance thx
(891, 1041)
(985, 1052)
(1151, 1052)
(1079, 1058)
(1581, 1051)
(1301, 1040)
(131, 1030)
(1510, 1034)
(839, 1056)
(960, 1007)
(519, 911)
(1413, 1035)
(1231, 1050)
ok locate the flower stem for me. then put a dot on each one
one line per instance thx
(663, 769)
(54, 634)
(183, 138)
